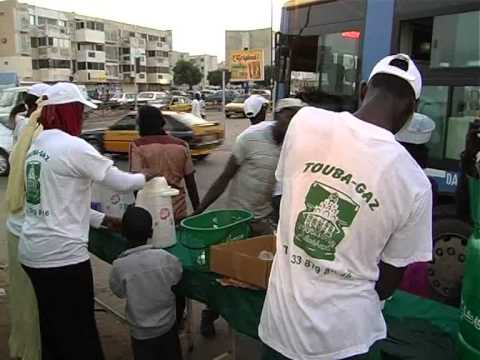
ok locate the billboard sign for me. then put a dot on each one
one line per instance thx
(247, 65)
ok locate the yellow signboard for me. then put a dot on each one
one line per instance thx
(247, 65)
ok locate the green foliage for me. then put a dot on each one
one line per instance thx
(185, 72)
(215, 77)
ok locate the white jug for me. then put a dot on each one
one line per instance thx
(110, 202)
(156, 198)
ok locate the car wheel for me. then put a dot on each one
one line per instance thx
(445, 272)
(97, 145)
(4, 163)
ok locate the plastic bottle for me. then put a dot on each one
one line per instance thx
(156, 198)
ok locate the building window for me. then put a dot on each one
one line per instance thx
(141, 76)
(91, 25)
(131, 34)
(152, 38)
(125, 51)
(165, 54)
(82, 65)
(151, 53)
(143, 36)
(99, 26)
(53, 22)
(126, 68)
(34, 64)
(439, 42)
(50, 41)
(99, 47)
(42, 41)
(43, 64)
(163, 39)
(80, 25)
(91, 54)
(32, 19)
(62, 23)
(159, 76)
(34, 42)
(41, 20)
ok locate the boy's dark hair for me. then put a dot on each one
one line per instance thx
(150, 121)
(393, 85)
(17, 109)
(137, 226)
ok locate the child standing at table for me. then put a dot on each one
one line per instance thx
(145, 276)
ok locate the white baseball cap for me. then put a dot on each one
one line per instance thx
(253, 105)
(38, 90)
(411, 75)
(64, 93)
(419, 131)
(288, 103)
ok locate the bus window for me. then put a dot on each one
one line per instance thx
(433, 103)
(465, 109)
(440, 41)
(330, 76)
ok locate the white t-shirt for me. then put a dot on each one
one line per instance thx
(352, 197)
(59, 171)
(196, 108)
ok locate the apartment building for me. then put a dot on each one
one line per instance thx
(205, 63)
(248, 40)
(47, 45)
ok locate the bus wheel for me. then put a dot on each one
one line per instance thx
(445, 272)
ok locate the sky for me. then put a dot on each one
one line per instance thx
(198, 26)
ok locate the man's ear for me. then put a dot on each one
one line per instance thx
(363, 91)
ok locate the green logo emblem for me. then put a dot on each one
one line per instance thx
(320, 227)
(33, 182)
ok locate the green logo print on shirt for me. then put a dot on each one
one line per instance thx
(320, 227)
(33, 182)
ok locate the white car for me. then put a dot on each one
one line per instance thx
(124, 98)
(149, 96)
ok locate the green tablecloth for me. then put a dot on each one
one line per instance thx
(241, 308)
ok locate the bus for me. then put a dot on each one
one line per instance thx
(325, 48)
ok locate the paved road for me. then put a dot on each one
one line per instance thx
(114, 334)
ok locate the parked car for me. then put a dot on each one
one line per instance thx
(236, 107)
(8, 99)
(124, 99)
(217, 96)
(148, 96)
(201, 135)
(178, 93)
(6, 144)
(173, 103)
(267, 94)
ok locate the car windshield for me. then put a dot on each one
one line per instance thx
(130, 96)
(146, 95)
(239, 99)
(7, 98)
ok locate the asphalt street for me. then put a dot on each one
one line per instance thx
(114, 333)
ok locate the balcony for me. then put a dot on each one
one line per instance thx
(91, 56)
(157, 78)
(52, 52)
(51, 74)
(91, 76)
(157, 61)
(89, 36)
(157, 46)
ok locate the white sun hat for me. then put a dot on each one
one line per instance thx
(38, 90)
(64, 93)
(419, 131)
(411, 75)
(253, 105)
(287, 103)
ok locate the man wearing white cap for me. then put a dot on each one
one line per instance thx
(355, 211)
(250, 171)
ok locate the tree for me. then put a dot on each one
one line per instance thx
(185, 72)
(215, 77)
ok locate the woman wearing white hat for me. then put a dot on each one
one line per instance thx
(59, 169)
(24, 340)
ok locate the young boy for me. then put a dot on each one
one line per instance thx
(145, 276)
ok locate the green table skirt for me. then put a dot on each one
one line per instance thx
(241, 308)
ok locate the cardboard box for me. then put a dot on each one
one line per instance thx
(239, 260)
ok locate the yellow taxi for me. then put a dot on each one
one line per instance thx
(172, 103)
(202, 136)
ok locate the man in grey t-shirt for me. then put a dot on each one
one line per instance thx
(251, 169)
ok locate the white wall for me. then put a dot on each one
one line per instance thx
(22, 65)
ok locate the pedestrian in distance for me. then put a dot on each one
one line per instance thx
(196, 105)
(356, 210)
(145, 277)
(59, 169)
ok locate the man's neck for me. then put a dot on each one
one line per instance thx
(376, 113)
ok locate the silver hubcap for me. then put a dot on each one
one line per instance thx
(3, 164)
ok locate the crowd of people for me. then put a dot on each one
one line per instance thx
(350, 206)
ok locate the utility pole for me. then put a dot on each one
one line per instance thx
(223, 90)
